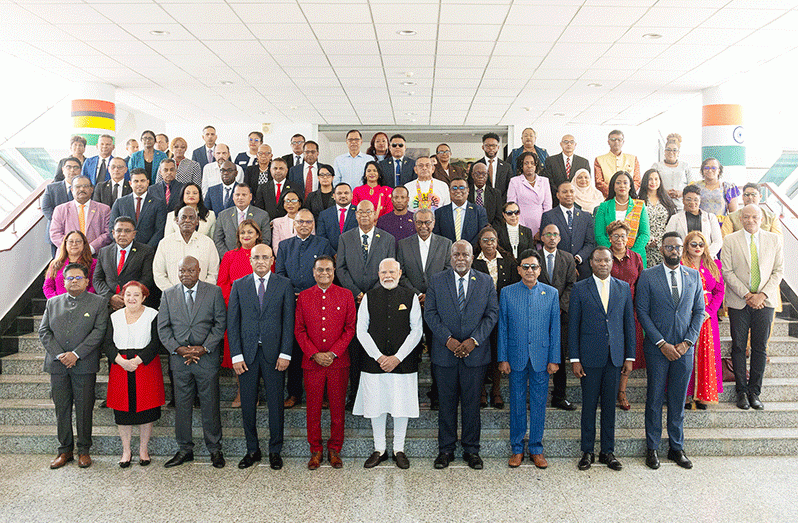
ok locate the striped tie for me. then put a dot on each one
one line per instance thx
(458, 224)
(756, 278)
(461, 294)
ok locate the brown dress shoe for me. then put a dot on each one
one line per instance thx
(539, 460)
(334, 457)
(84, 461)
(290, 402)
(315, 460)
(61, 460)
(515, 460)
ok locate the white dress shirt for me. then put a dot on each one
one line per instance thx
(423, 248)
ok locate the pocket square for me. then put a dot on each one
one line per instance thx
(402, 307)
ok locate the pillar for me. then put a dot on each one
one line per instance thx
(94, 111)
(723, 136)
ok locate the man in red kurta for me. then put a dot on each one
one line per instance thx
(325, 324)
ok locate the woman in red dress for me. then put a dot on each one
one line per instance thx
(373, 190)
(135, 379)
(235, 265)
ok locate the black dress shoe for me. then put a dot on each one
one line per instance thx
(497, 402)
(375, 459)
(587, 459)
(473, 460)
(754, 401)
(680, 458)
(610, 460)
(443, 460)
(179, 458)
(217, 459)
(652, 460)
(742, 401)
(401, 460)
(275, 461)
(249, 459)
(562, 404)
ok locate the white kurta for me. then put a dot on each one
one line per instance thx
(395, 394)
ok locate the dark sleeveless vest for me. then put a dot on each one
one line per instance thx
(389, 326)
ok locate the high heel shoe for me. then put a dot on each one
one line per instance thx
(623, 403)
(124, 464)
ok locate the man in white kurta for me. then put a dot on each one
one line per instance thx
(389, 328)
(176, 246)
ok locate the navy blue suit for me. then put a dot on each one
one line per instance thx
(662, 320)
(327, 224)
(89, 169)
(388, 167)
(152, 217)
(200, 156)
(295, 259)
(214, 198)
(474, 220)
(297, 173)
(158, 190)
(260, 334)
(580, 240)
(601, 342)
(460, 378)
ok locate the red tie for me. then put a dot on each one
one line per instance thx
(167, 193)
(277, 194)
(138, 208)
(342, 219)
(120, 266)
(567, 168)
(309, 181)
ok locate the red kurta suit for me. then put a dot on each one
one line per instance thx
(234, 265)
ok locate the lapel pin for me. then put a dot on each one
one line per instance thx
(542, 293)
(87, 315)
(377, 235)
(474, 278)
(134, 249)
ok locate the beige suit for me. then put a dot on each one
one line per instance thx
(736, 262)
(734, 223)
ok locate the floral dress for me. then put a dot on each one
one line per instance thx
(657, 220)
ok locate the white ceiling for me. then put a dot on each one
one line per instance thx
(473, 63)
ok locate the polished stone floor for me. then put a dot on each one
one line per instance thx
(760, 489)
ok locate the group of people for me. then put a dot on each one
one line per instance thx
(324, 280)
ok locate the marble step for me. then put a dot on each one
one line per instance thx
(776, 415)
(420, 445)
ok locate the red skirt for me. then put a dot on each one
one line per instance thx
(148, 383)
(227, 359)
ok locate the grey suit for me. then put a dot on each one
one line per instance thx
(225, 236)
(204, 325)
(73, 325)
(415, 276)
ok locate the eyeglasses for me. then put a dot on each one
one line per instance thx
(527, 266)
(297, 142)
(458, 188)
(258, 257)
(568, 142)
(75, 278)
(551, 235)
(304, 222)
(291, 200)
(750, 194)
(490, 145)
(425, 223)
(618, 236)
(697, 244)
(670, 150)
(616, 139)
(325, 173)
(324, 269)
(444, 152)
(710, 168)
(397, 145)
(510, 213)
(70, 167)
(671, 248)
(488, 240)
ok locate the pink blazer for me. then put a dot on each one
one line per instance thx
(65, 219)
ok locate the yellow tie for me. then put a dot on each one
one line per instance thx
(756, 277)
(605, 293)
(458, 224)
(82, 218)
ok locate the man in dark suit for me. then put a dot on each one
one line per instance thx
(297, 148)
(576, 228)
(396, 169)
(460, 220)
(558, 271)
(562, 167)
(360, 251)
(147, 211)
(72, 331)
(59, 192)
(225, 236)
(339, 218)
(270, 196)
(204, 155)
(191, 325)
(257, 174)
(261, 333)
(669, 300)
(117, 186)
(168, 190)
(123, 261)
(307, 171)
(97, 168)
(483, 195)
(220, 196)
(601, 339)
(499, 172)
(461, 309)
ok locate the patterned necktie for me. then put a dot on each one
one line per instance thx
(240, 217)
(365, 247)
(461, 294)
(756, 278)
(570, 214)
(226, 197)
(342, 219)
(458, 224)
(167, 192)
(309, 181)
(101, 172)
(550, 267)
(674, 288)
(210, 155)
(567, 168)
(138, 208)
(261, 291)
(190, 300)
(297, 160)
(82, 218)
(263, 177)
(479, 199)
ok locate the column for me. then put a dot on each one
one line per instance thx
(723, 136)
(94, 111)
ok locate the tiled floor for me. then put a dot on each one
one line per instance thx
(760, 489)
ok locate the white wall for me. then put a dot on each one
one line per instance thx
(236, 135)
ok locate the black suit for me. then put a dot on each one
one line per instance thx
(265, 198)
(138, 267)
(578, 240)
(297, 173)
(104, 192)
(492, 203)
(152, 217)
(502, 172)
(554, 170)
(525, 240)
(291, 160)
(564, 277)
(158, 190)
(388, 168)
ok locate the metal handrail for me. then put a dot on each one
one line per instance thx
(783, 207)
(22, 207)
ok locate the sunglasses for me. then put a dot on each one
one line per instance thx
(510, 213)
(697, 244)
(527, 266)
(397, 145)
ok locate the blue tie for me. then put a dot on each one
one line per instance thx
(261, 292)
(398, 171)
(461, 294)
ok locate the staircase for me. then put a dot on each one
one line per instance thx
(27, 416)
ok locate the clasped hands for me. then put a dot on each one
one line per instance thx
(674, 352)
(68, 359)
(324, 359)
(129, 365)
(191, 354)
(755, 300)
(461, 349)
(388, 363)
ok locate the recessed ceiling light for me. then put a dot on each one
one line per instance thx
(158, 32)
(526, 108)
(594, 84)
(409, 93)
(652, 36)
(226, 82)
(559, 114)
(406, 32)
(293, 107)
(410, 114)
(410, 74)
(408, 82)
